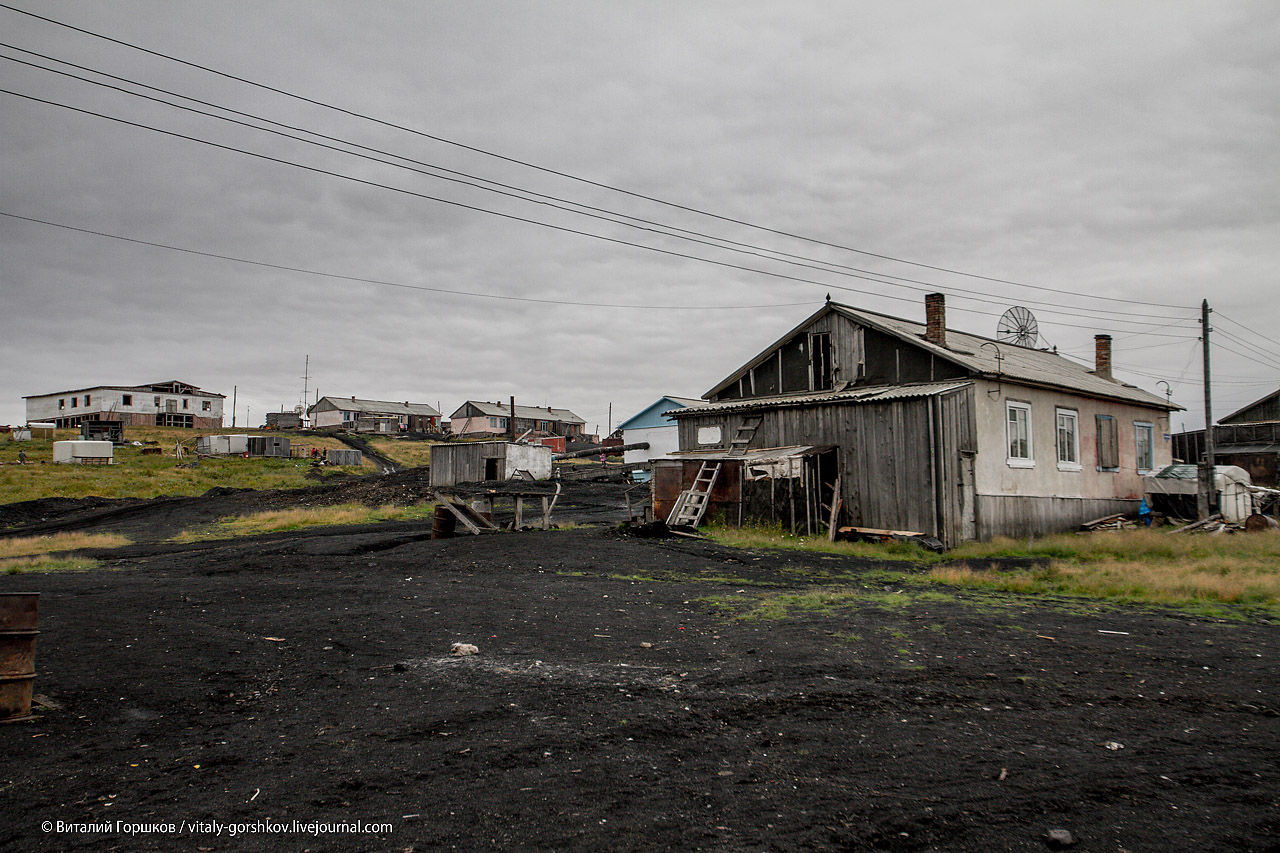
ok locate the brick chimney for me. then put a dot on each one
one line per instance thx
(1102, 356)
(935, 319)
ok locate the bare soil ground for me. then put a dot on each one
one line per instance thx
(615, 703)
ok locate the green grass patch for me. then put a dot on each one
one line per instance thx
(134, 474)
(23, 546)
(45, 563)
(405, 452)
(1208, 575)
(300, 518)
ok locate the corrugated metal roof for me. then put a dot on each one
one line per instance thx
(865, 394)
(1014, 364)
(530, 412)
(378, 407)
(751, 457)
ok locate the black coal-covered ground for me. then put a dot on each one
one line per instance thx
(617, 704)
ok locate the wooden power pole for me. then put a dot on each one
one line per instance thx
(1204, 497)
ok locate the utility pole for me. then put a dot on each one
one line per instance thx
(511, 422)
(234, 388)
(1204, 498)
(306, 379)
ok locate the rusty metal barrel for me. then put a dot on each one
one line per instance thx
(18, 632)
(443, 524)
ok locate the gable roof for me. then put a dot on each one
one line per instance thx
(501, 410)
(652, 415)
(377, 407)
(1253, 405)
(980, 356)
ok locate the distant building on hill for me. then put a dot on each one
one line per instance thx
(384, 416)
(170, 403)
(477, 418)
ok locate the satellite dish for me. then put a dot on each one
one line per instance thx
(1018, 326)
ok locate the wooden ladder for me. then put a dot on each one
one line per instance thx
(746, 431)
(692, 502)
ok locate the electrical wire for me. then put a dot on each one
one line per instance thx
(383, 283)
(1246, 328)
(514, 217)
(566, 175)
(557, 203)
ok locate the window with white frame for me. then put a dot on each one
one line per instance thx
(1018, 434)
(1144, 438)
(1068, 440)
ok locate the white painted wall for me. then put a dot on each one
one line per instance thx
(995, 476)
(79, 451)
(662, 440)
(533, 458)
(45, 408)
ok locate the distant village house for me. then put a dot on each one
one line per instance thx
(476, 418)
(375, 416)
(170, 403)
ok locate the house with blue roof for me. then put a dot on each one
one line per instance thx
(652, 424)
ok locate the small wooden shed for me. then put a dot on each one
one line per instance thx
(481, 461)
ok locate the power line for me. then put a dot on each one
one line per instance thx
(1246, 328)
(1254, 358)
(383, 283)
(557, 203)
(1266, 355)
(561, 174)
(514, 217)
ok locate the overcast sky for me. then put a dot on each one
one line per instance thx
(1106, 165)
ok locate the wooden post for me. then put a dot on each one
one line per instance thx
(546, 515)
(519, 512)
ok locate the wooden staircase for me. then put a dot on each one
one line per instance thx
(746, 431)
(692, 503)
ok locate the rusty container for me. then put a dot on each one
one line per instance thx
(443, 523)
(17, 653)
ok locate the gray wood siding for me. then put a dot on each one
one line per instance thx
(885, 452)
(786, 368)
(464, 462)
(1019, 516)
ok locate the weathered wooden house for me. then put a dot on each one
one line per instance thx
(902, 425)
(1248, 438)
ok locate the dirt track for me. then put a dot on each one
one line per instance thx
(308, 677)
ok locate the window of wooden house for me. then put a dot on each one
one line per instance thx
(62, 404)
(1108, 443)
(205, 405)
(185, 403)
(87, 398)
(126, 399)
(820, 372)
(1068, 440)
(1144, 440)
(1018, 434)
(75, 401)
(156, 400)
